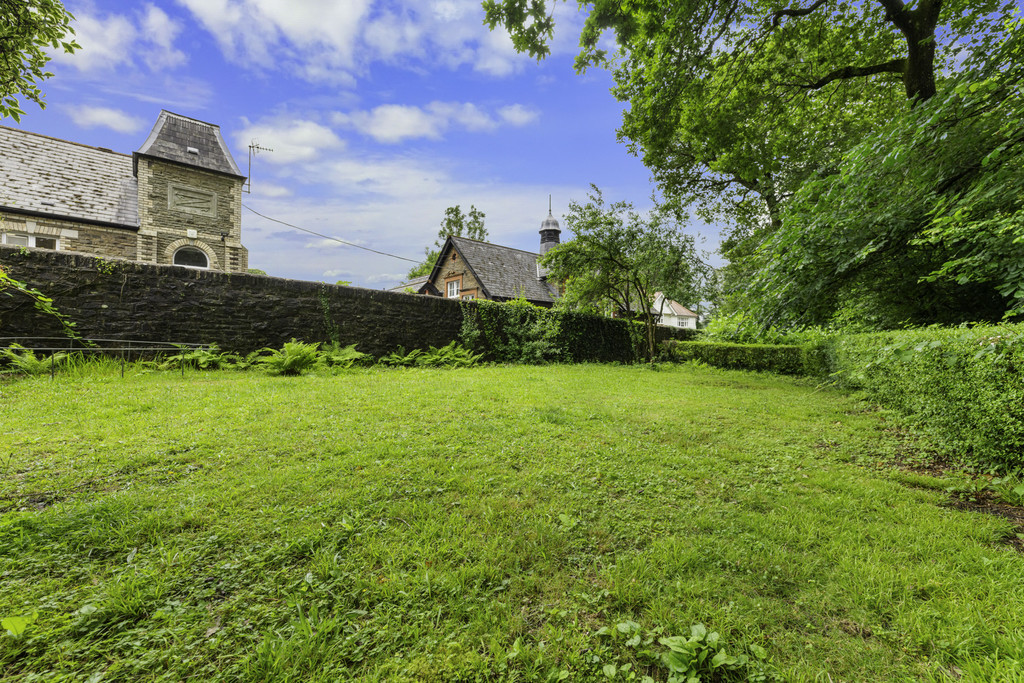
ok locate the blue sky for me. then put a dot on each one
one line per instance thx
(380, 115)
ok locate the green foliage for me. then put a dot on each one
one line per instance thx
(457, 224)
(963, 386)
(735, 106)
(521, 332)
(509, 523)
(703, 656)
(511, 332)
(41, 302)
(293, 358)
(451, 355)
(209, 358)
(29, 30)
(335, 355)
(620, 259)
(25, 361)
(780, 358)
(256, 271)
(932, 206)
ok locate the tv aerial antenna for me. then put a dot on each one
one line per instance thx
(254, 149)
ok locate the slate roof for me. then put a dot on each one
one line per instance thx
(503, 272)
(175, 136)
(413, 284)
(47, 176)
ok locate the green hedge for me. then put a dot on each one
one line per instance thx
(963, 386)
(780, 358)
(519, 332)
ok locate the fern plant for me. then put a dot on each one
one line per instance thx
(210, 358)
(25, 360)
(293, 358)
(344, 357)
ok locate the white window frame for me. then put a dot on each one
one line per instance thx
(453, 288)
(32, 240)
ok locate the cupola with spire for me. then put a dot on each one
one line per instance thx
(549, 231)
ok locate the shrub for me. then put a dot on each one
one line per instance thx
(783, 359)
(520, 332)
(964, 386)
(293, 358)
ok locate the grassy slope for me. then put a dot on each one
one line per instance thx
(478, 524)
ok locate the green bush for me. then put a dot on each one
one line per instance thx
(783, 359)
(964, 386)
(520, 332)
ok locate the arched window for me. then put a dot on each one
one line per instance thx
(191, 257)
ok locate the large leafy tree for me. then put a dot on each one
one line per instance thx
(922, 222)
(734, 104)
(457, 224)
(619, 257)
(28, 29)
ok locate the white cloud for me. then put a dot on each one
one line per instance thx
(518, 115)
(290, 140)
(338, 273)
(328, 40)
(121, 40)
(103, 117)
(394, 123)
(161, 31)
(106, 43)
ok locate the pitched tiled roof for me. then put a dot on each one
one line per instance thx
(189, 141)
(504, 272)
(676, 308)
(44, 175)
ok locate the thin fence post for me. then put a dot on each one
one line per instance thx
(52, 355)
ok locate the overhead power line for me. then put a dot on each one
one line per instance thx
(328, 237)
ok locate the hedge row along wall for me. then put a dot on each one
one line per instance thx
(115, 299)
(962, 386)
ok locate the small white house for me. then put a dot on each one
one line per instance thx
(673, 313)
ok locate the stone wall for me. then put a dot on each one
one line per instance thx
(116, 299)
(126, 300)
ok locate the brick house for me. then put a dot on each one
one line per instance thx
(177, 200)
(470, 269)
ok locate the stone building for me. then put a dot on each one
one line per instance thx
(177, 200)
(470, 269)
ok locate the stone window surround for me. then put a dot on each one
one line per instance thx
(30, 229)
(211, 257)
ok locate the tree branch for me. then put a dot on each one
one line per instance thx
(777, 16)
(895, 66)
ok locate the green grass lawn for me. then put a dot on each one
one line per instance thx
(496, 523)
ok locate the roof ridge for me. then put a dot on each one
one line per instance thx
(492, 244)
(190, 118)
(70, 142)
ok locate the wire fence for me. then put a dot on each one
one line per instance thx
(122, 349)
